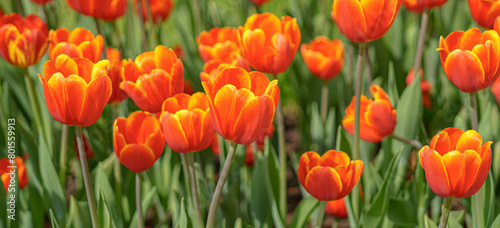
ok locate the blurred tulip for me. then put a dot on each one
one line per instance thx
(424, 85)
(76, 90)
(215, 145)
(323, 57)
(336, 208)
(41, 2)
(115, 74)
(266, 132)
(104, 9)
(414, 6)
(79, 43)
(249, 156)
(8, 170)
(242, 104)
(214, 66)
(377, 117)
(138, 140)
(259, 2)
(160, 9)
(153, 77)
(484, 12)
(178, 51)
(86, 144)
(186, 122)
(23, 40)
(268, 43)
(470, 59)
(1, 13)
(495, 89)
(365, 20)
(188, 88)
(329, 177)
(218, 43)
(456, 163)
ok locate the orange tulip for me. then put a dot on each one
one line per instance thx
(79, 43)
(424, 85)
(377, 117)
(259, 2)
(8, 171)
(153, 77)
(218, 43)
(215, 145)
(138, 140)
(268, 43)
(336, 208)
(1, 13)
(76, 90)
(323, 57)
(186, 122)
(470, 59)
(23, 40)
(115, 74)
(242, 104)
(456, 163)
(160, 9)
(266, 132)
(249, 156)
(104, 9)
(214, 66)
(495, 89)
(188, 87)
(484, 12)
(41, 2)
(365, 20)
(414, 6)
(329, 177)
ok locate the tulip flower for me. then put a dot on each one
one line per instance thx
(424, 85)
(259, 2)
(153, 77)
(218, 43)
(377, 116)
(336, 208)
(7, 172)
(41, 2)
(420, 5)
(242, 104)
(249, 156)
(23, 40)
(86, 145)
(214, 66)
(186, 122)
(328, 177)
(76, 90)
(484, 12)
(268, 43)
(215, 145)
(365, 20)
(1, 13)
(470, 59)
(160, 9)
(414, 6)
(323, 57)
(79, 43)
(456, 163)
(495, 89)
(108, 10)
(115, 74)
(138, 140)
(188, 87)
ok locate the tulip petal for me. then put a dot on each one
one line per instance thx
(335, 158)
(454, 163)
(435, 172)
(349, 16)
(307, 161)
(323, 183)
(381, 116)
(481, 175)
(259, 83)
(75, 89)
(472, 162)
(349, 176)
(255, 115)
(137, 157)
(156, 142)
(470, 140)
(174, 133)
(118, 138)
(97, 95)
(465, 71)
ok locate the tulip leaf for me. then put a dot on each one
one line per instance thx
(330, 130)
(102, 184)
(304, 209)
(183, 221)
(428, 223)
(146, 203)
(496, 222)
(53, 220)
(393, 86)
(489, 200)
(454, 219)
(350, 213)
(103, 212)
(317, 129)
(78, 216)
(260, 184)
(402, 211)
(377, 209)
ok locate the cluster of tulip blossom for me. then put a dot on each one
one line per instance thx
(240, 104)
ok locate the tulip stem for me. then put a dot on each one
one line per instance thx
(33, 101)
(185, 169)
(321, 213)
(446, 212)
(420, 43)
(63, 159)
(117, 166)
(220, 184)
(477, 198)
(104, 55)
(324, 101)
(473, 111)
(194, 189)
(86, 176)
(282, 158)
(138, 201)
(414, 143)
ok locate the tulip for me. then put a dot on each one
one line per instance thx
(484, 12)
(414, 6)
(424, 85)
(76, 90)
(186, 122)
(108, 10)
(23, 40)
(214, 66)
(377, 117)
(470, 59)
(336, 208)
(79, 43)
(188, 87)
(86, 145)
(160, 9)
(249, 156)
(259, 2)
(328, 177)
(215, 145)
(1, 13)
(365, 20)
(323, 57)
(115, 74)
(218, 43)
(138, 140)
(242, 104)
(6, 167)
(265, 133)
(41, 2)
(268, 43)
(456, 163)
(153, 77)
(495, 89)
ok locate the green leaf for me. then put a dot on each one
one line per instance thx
(53, 220)
(302, 212)
(496, 222)
(317, 128)
(103, 213)
(146, 203)
(260, 198)
(453, 219)
(330, 130)
(402, 211)
(428, 223)
(102, 184)
(78, 214)
(182, 223)
(393, 86)
(3, 207)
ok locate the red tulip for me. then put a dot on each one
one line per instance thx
(484, 12)
(424, 85)
(323, 57)
(115, 74)
(8, 171)
(218, 43)
(41, 2)
(160, 9)
(79, 43)
(259, 2)
(104, 9)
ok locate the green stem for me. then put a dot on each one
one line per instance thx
(473, 111)
(446, 212)
(185, 169)
(420, 44)
(63, 159)
(324, 101)
(477, 198)
(143, 27)
(138, 201)
(414, 143)
(194, 189)
(282, 158)
(321, 213)
(86, 176)
(220, 184)
(104, 54)
(30, 87)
